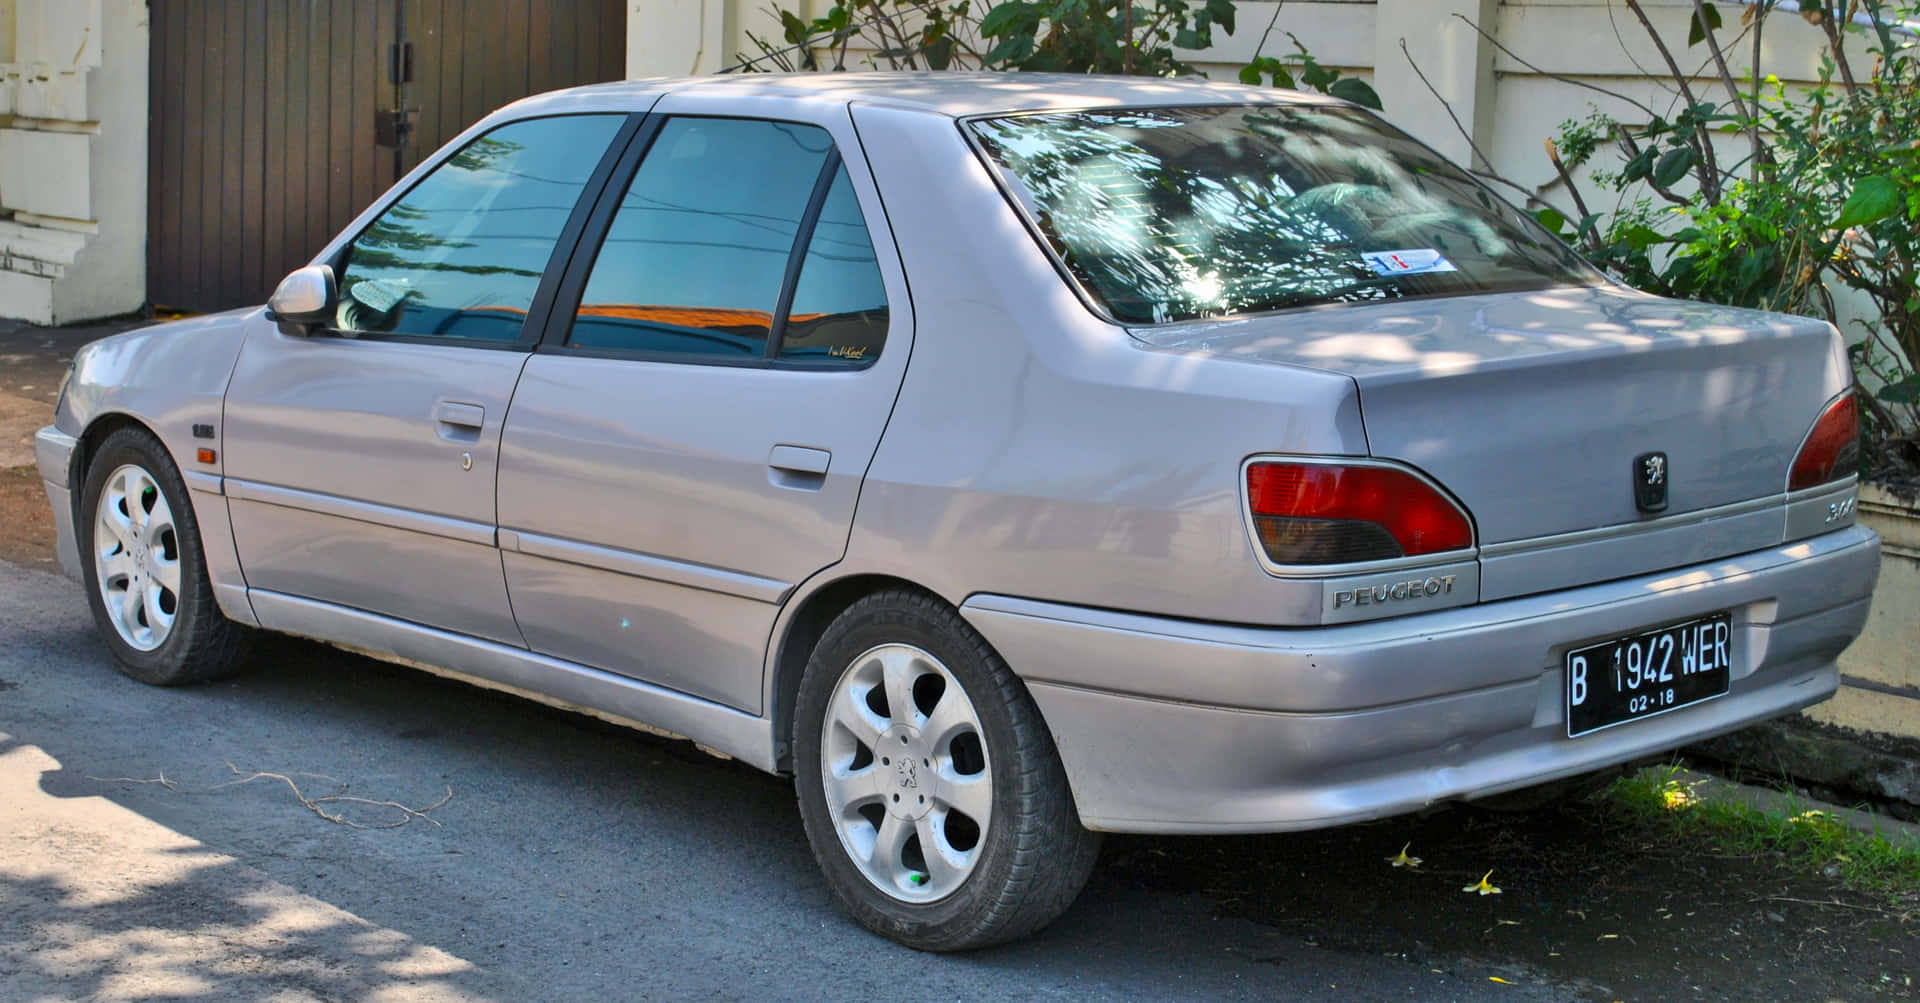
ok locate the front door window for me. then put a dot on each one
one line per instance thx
(461, 254)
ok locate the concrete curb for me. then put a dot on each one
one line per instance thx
(1709, 787)
(1849, 766)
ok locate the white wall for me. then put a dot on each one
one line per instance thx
(73, 158)
(1508, 108)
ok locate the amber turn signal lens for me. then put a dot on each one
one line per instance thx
(207, 456)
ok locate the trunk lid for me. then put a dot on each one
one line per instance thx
(1531, 407)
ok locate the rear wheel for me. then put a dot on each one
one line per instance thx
(145, 574)
(930, 789)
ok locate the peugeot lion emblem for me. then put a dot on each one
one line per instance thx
(1650, 482)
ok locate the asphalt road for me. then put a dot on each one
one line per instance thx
(574, 860)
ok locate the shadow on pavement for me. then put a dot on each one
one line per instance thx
(575, 859)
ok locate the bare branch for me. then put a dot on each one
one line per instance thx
(1550, 75)
(1759, 25)
(1275, 19)
(160, 778)
(340, 797)
(1836, 41)
(1573, 191)
(1464, 134)
(1532, 196)
(1726, 78)
(1701, 142)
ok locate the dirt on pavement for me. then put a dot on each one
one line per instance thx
(1586, 895)
(26, 523)
(33, 361)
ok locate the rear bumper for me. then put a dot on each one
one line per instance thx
(1176, 726)
(53, 454)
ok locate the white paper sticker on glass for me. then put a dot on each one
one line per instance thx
(1409, 261)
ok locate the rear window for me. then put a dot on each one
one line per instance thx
(1172, 214)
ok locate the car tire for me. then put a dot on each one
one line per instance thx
(974, 744)
(145, 572)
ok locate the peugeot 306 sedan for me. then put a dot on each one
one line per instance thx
(1007, 458)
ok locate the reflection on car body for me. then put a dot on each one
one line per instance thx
(1006, 459)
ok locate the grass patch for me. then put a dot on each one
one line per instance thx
(1812, 840)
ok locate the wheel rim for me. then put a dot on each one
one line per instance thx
(136, 558)
(908, 782)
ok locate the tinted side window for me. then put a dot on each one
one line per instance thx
(461, 254)
(839, 313)
(694, 258)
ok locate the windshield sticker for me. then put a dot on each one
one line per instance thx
(1409, 261)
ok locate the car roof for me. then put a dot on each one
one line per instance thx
(955, 94)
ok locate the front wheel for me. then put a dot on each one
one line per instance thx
(931, 792)
(146, 577)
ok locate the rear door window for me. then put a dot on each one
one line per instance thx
(694, 260)
(839, 315)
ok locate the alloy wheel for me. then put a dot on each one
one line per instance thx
(136, 557)
(906, 773)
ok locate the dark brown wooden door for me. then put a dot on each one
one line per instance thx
(263, 112)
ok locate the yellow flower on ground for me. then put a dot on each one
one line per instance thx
(1482, 886)
(1402, 860)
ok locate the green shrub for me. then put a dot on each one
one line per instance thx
(1826, 198)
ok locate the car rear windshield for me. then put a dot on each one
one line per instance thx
(1172, 214)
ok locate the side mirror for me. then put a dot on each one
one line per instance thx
(304, 301)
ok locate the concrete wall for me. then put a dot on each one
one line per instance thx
(1880, 674)
(73, 158)
(1507, 107)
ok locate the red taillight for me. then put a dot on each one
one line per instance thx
(1315, 513)
(1832, 449)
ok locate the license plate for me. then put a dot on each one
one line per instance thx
(1652, 672)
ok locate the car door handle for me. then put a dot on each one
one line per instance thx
(459, 422)
(799, 467)
(461, 415)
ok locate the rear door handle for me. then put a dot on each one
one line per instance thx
(801, 467)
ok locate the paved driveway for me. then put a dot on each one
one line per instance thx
(574, 860)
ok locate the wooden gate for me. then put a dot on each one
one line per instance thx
(263, 117)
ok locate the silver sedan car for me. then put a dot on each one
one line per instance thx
(1008, 459)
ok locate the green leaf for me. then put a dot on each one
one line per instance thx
(1222, 11)
(1639, 236)
(1673, 166)
(1355, 90)
(1639, 167)
(1907, 391)
(1753, 268)
(1873, 199)
(1005, 18)
(1552, 219)
(792, 28)
(1695, 33)
(1010, 50)
(939, 53)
